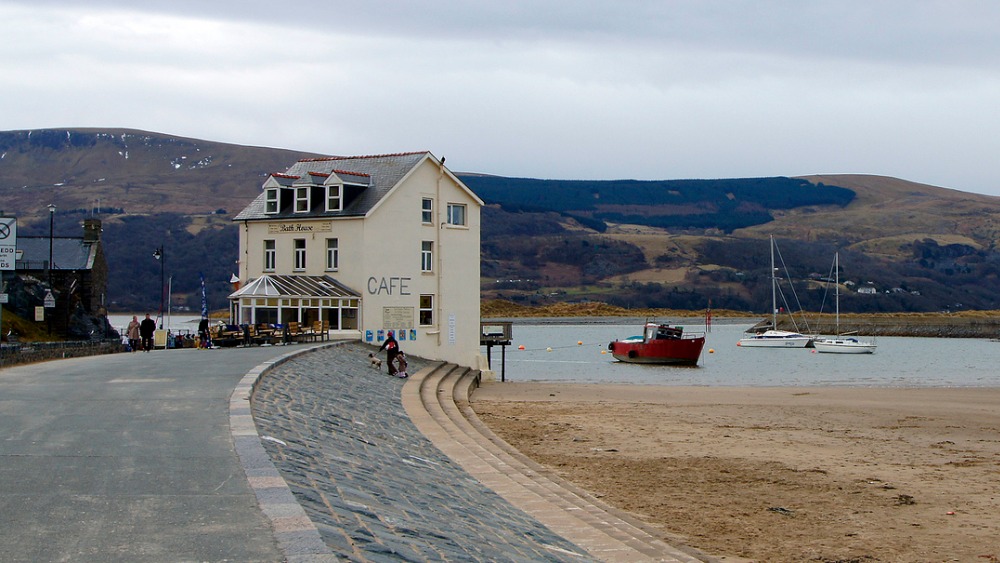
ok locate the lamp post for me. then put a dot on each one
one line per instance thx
(161, 258)
(52, 221)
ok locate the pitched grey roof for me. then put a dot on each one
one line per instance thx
(379, 172)
(67, 253)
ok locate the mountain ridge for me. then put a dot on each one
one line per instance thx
(923, 247)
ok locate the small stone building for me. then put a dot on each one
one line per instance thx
(77, 277)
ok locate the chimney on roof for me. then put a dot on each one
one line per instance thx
(92, 230)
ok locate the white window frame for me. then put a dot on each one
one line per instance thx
(302, 199)
(332, 254)
(427, 256)
(299, 251)
(427, 211)
(335, 197)
(426, 309)
(270, 255)
(272, 201)
(452, 211)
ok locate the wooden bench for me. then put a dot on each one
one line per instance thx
(265, 334)
(297, 333)
(321, 330)
(226, 335)
(254, 335)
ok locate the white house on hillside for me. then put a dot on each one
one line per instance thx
(369, 244)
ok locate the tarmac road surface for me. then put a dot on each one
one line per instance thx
(128, 457)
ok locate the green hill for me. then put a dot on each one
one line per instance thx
(724, 204)
(666, 244)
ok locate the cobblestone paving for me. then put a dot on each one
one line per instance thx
(376, 489)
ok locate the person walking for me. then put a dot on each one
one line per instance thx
(146, 329)
(391, 348)
(132, 333)
(204, 334)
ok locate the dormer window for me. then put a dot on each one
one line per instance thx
(271, 200)
(302, 199)
(334, 197)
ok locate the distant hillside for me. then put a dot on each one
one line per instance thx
(724, 204)
(672, 244)
(150, 189)
(920, 248)
(129, 171)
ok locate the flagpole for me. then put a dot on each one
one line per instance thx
(170, 289)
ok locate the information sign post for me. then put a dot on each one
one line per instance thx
(8, 257)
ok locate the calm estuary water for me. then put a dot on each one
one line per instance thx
(898, 362)
(176, 323)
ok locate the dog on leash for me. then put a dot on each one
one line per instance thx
(375, 362)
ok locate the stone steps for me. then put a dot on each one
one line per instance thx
(437, 401)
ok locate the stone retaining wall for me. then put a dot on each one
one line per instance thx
(28, 352)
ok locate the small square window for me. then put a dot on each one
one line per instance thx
(456, 214)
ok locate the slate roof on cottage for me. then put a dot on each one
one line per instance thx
(68, 253)
(376, 175)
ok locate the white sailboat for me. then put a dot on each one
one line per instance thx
(774, 338)
(843, 343)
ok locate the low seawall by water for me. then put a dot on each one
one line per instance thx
(933, 327)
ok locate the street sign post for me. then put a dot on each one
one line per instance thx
(8, 258)
(8, 243)
(3, 300)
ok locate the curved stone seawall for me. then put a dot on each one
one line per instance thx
(374, 486)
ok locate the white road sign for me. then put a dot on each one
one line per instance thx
(8, 242)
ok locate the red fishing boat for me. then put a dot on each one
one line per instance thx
(660, 344)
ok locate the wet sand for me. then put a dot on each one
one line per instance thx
(776, 474)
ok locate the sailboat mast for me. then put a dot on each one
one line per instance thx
(774, 290)
(836, 287)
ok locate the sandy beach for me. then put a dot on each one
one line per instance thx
(775, 474)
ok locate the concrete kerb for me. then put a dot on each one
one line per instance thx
(296, 534)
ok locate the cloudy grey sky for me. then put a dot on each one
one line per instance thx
(550, 89)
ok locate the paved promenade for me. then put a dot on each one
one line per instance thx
(155, 457)
(128, 457)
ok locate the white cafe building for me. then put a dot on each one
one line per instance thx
(368, 244)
